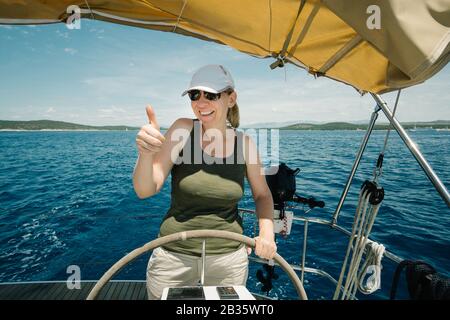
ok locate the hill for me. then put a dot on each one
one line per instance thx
(441, 124)
(55, 125)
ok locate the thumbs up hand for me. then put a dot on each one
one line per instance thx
(149, 139)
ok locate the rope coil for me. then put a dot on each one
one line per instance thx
(372, 264)
(368, 206)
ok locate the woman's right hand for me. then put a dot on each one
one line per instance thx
(149, 139)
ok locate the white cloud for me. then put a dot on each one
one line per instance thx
(272, 99)
(115, 115)
(128, 77)
(70, 51)
(50, 110)
(64, 35)
(112, 110)
(262, 96)
(129, 85)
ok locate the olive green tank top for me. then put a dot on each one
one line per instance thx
(205, 195)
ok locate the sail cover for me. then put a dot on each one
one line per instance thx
(373, 45)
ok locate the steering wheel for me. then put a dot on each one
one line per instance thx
(189, 235)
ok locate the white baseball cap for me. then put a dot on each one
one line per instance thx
(212, 78)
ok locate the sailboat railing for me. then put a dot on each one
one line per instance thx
(302, 267)
(436, 181)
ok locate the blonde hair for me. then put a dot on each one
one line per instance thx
(233, 114)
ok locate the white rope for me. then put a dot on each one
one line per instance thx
(360, 243)
(362, 225)
(89, 7)
(352, 236)
(390, 126)
(179, 16)
(378, 171)
(372, 264)
(364, 219)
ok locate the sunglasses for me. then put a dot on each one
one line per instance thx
(194, 95)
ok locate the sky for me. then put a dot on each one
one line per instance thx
(106, 74)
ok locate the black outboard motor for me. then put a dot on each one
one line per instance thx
(282, 186)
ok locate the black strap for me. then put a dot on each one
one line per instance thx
(235, 153)
(397, 273)
(424, 283)
(235, 147)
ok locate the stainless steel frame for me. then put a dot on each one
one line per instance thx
(440, 187)
(382, 105)
(373, 119)
(302, 268)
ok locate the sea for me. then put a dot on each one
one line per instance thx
(67, 199)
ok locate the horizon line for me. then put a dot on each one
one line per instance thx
(243, 125)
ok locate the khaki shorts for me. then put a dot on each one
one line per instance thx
(171, 269)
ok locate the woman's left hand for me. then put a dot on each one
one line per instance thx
(265, 247)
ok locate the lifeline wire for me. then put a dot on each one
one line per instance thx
(377, 172)
(87, 3)
(179, 16)
(390, 126)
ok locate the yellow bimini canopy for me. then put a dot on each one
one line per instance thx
(373, 45)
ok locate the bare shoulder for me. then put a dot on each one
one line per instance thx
(251, 155)
(249, 142)
(182, 123)
(180, 129)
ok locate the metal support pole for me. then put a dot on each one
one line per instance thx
(373, 118)
(440, 187)
(202, 278)
(305, 240)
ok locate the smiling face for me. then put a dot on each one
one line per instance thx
(213, 113)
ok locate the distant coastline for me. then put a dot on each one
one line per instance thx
(440, 124)
(50, 125)
(56, 130)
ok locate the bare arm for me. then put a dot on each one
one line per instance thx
(143, 182)
(265, 242)
(155, 159)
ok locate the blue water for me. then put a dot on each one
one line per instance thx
(66, 198)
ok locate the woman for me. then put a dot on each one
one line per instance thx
(208, 166)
